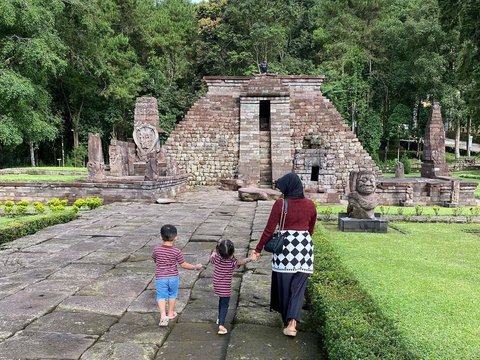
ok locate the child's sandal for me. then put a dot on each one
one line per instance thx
(163, 322)
(173, 316)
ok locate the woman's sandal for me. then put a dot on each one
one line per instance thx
(163, 322)
(289, 332)
(222, 331)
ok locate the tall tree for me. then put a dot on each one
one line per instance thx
(31, 55)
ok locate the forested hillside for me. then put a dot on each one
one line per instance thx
(70, 67)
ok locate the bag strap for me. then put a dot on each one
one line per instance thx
(283, 215)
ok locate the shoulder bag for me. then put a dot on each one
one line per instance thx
(276, 242)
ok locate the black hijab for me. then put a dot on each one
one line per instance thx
(291, 186)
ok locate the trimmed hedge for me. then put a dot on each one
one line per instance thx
(32, 224)
(348, 320)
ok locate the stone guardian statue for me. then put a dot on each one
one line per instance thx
(362, 199)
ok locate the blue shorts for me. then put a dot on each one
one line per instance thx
(167, 288)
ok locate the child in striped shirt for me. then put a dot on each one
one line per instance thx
(224, 263)
(166, 258)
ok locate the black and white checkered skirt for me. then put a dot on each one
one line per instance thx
(297, 254)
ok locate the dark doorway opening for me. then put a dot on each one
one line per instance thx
(315, 171)
(264, 115)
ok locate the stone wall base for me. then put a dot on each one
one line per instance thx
(109, 191)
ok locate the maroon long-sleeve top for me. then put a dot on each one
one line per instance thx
(302, 215)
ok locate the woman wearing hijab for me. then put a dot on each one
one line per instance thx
(291, 268)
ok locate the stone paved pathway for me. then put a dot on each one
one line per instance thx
(84, 290)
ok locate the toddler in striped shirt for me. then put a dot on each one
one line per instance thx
(166, 258)
(224, 263)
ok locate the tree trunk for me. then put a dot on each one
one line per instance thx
(63, 153)
(385, 157)
(75, 138)
(457, 139)
(32, 154)
(469, 126)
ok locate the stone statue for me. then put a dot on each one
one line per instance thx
(362, 199)
(399, 170)
(96, 164)
(263, 67)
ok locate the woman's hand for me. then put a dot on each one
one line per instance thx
(254, 255)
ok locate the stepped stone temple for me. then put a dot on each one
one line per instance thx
(256, 129)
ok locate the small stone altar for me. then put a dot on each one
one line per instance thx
(362, 200)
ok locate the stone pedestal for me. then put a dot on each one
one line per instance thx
(348, 224)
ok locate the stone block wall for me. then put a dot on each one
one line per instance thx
(316, 121)
(205, 144)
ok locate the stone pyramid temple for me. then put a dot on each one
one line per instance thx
(258, 128)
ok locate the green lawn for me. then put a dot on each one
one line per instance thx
(54, 168)
(424, 277)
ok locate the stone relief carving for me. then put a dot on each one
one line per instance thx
(362, 199)
(146, 138)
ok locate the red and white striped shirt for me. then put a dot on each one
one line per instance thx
(166, 259)
(223, 274)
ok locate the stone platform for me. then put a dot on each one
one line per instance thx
(112, 189)
(411, 191)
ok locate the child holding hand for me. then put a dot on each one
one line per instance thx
(224, 263)
(166, 258)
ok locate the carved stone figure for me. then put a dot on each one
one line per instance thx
(119, 159)
(146, 138)
(362, 199)
(96, 164)
(399, 170)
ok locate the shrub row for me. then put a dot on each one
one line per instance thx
(22, 207)
(32, 224)
(348, 320)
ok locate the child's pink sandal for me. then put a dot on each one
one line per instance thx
(163, 322)
(172, 317)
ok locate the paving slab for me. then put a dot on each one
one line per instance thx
(137, 328)
(90, 271)
(119, 351)
(104, 257)
(107, 305)
(73, 323)
(257, 342)
(146, 302)
(193, 341)
(34, 345)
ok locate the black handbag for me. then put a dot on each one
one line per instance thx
(276, 242)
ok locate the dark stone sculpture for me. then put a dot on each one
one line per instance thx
(362, 199)
(263, 67)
